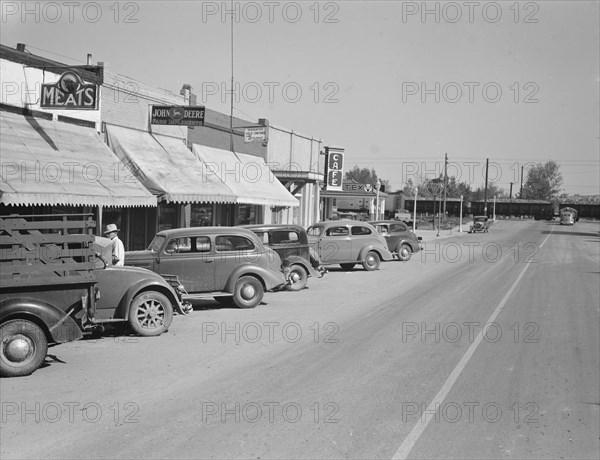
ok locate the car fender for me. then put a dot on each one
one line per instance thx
(268, 278)
(414, 246)
(56, 324)
(299, 260)
(158, 285)
(384, 253)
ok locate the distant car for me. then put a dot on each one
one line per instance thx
(480, 224)
(229, 264)
(348, 242)
(291, 243)
(401, 241)
(403, 215)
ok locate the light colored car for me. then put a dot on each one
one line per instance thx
(229, 264)
(348, 242)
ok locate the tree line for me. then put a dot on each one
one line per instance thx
(543, 182)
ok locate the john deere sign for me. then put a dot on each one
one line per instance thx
(177, 115)
(69, 93)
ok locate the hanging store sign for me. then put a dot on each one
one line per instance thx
(177, 115)
(255, 134)
(70, 92)
(334, 173)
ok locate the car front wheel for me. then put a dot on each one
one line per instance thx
(150, 314)
(23, 348)
(404, 252)
(372, 261)
(298, 278)
(248, 292)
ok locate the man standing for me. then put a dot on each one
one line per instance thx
(118, 250)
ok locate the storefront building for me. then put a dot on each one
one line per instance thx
(53, 159)
(167, 182)
(291, 157)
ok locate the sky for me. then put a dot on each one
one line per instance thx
(399, 84)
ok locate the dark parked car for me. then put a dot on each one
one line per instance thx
(348, 242)
(291, 243)
(480, 224)
(229, 264)
(401, 241)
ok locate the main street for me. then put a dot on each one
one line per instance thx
(481, 346)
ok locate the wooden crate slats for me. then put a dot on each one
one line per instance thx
(46, 253)
(31, 256)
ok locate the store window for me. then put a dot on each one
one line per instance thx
(246, 214)
(201, 215)
(167, 216)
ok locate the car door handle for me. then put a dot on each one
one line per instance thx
(209, 261)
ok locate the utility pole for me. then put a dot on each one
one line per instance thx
(487, 162)
(231, 144)
(521, 192)
(510, 196)
(445, 181)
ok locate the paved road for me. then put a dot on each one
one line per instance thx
(482, 346)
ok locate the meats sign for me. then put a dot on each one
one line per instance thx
(70, 92)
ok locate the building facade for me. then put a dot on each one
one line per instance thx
(169, 175)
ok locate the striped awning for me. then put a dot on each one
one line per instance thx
(248, 176)
(45, 162)
(166, 167)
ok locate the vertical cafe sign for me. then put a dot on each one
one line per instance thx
(334, 171)
(70, 92)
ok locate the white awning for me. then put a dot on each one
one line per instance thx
(44, 162)
(248, 176)
(167, 168)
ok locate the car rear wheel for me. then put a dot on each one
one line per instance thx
(248, 292)
(372, 261)
(23, 348)
(347, 267)
(150, 314)
(298, 278)
(404, 252)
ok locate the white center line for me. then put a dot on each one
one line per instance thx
(412, 438)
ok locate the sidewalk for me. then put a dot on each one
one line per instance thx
(430, 234)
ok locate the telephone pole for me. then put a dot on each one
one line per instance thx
(445, 181)
(487, 162)
(521, 192)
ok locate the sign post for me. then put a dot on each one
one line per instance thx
(460, 219)
(415, 210)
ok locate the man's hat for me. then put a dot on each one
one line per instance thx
(111, 228)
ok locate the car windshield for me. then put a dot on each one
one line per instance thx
(314, 231)
(157, 243)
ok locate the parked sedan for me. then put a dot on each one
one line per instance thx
(229, 264)
(291, 243)
(348, 242)
(401, 241)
